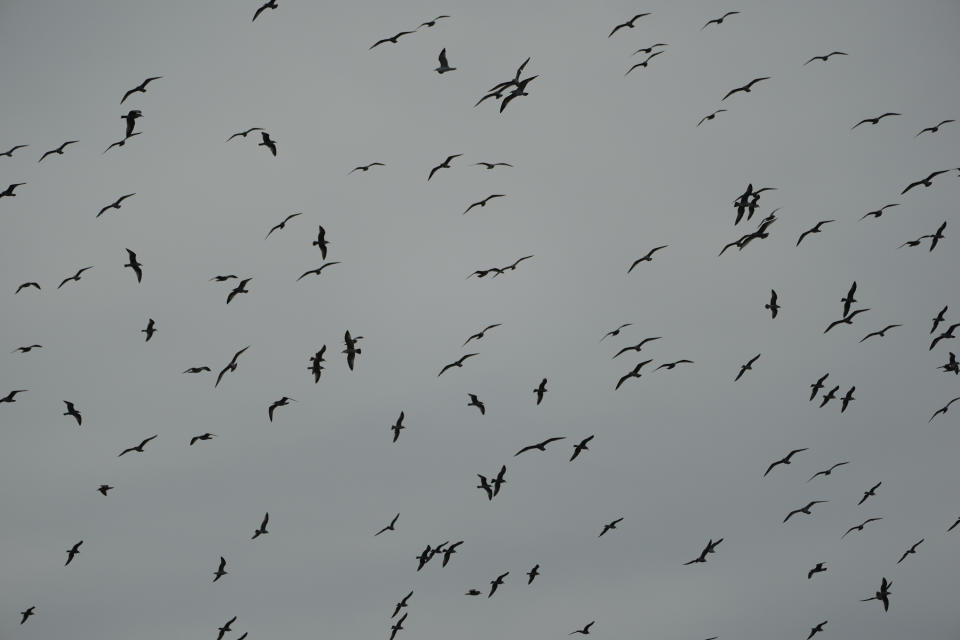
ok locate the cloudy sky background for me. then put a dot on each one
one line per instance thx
(605, 168)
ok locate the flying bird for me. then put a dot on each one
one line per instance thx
(814, 229)
(492, 165)
(58, 150)
(9, 152)
(141, 88)
(483, 202)
(223, 278)
(882, 332)
(475, 402)
(104, 488)
(952, 365)
(315, 367)
(263, 527)
(401, 604)
(115, 204)
(540, 390)
(936, 321)
(520, 90)
(511, 267)
(935, 127)
(745, 88)
(443, 165)
(580, 446)
(772, 305)
(827, 472)
(644, 63)
(609, 526)
(318, 270)
(202, 436)
(883, 595)
(243, 134)
(12, 396)
(615, 332)
(628, 24)
(26, 614)
(719, 20)
(648, 50)
(633, 373)
(816, 386)
(8, 192)
(499, 480)
(270, 4)
(805, 509)
(496, 583)
(240, 288)
(846, 320)
(783, 460)
(321, 242)
(848, 300)
(942, 410)
(541, 446)
(150, 330)
(458, 363)
(927, 182)
(879, 212)
(351, 348)
(817, 629)
(131, 121)
(847, 399)
(282, 402)
(283, 224)
(73, 551)
(28, 348)
(397, 427)
(860, 526)
(825, 57)
(392, 39)
(133, 264)
(478, 336)
(197, 369)
(430, 23)
(646, 258)
(138, 448)
(817, 569)
(874, 120)
(267, 142)
(946, 335)
(27, 285)
(830, 395)
(390, 527)
(670, 365)
(953, 525)
(72, 411)
(231, 366)
(909, 551)
(121, 143)
(747, 367)
(533, 573)
(938, 236)
(585, 631)
(485, 485)
(226, 627)
(221, 570)
(448, 552)
(444, 65)
(366, 167)
(710, 117)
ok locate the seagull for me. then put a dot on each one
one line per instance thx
(644, 63)
(784, 460)
(104, 488)
(240, 288)
(72, 411)
(133, 264)
(482, 272)
(520, 90)
(609, 526)
(282, 402)
(9, 152)
(315, 367)
(580, 446)
(946, 335)
(271, 4)
(938, 236)
(815, 229)
(475, 402)
(197, 369)
(27, 285)
(585, 631)
(825, 58)
(745, 88)
(58, 150)
(747, 367)
(366, 167)
(646, 258)
(283, 224)
(719, 20)
(927, 182)
(874, 120)
(243, 134)
(138, 448)
(142, 88)
(860, 527)
(881, 332)
(817, 569)
(935, 127)
(430, 23)
(498, 481)
(9, 190)
(221, 570)
(444, 65)
(533, 573)
(816, 386)
(485, 485)
(71, 552)
(150, 330)
(223, 278)
(710, 117)
(710, 548)
(401, 604)
(397, 427)
(26, 614)
(671, 365)
(116, 203)
(496, 583)
(443, 165)
(847, 399)
(27, 349)
(478, 336)
(204, 436)
(11, 397)
(616, 331)
(817, 629)
(629, 23)
(871, 492)
(879, 212)
(912, 549)
(883, 595)
(772, 305)
(805, 509)
(483, 202)
(393, 39)
(846, 320)
(542, 446)
(512, 267)
(120, 143)
(458, 363)
(633, 373)
(648, 50)
(231, 366)
(321, 242)
(540, 390)
(449, 551)
(936, 321)
(268, 143)
(317, 270)
(848, 300)
(952, 365)
(472, 592)
(263, 527)
(830, 395)
(226, 627)
(131, 119)
(492, 165)
(828, 471)
(390, 527)
(942, 410)
(351, 348)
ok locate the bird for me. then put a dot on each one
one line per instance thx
(909, 551)
(772, 305)
(389, 527)
(444, 65)
(133, 264)
(881, 332)
(710, 116)
(935, 127)
(496, 583)
(927, 182)
(540, 390)
(9, 152)
(72, 411)
(73, 551)
(282, 402)
(952, 365)
(58, 150)
(633, 373)
(267, 142)
(845, 320)
(817, 629)
(585, 631)
(860, 526)
(351, 348)
(946, 335)
(475, 402)
(580, 447)
(784, 460)
(366, 167)
(817, 569)
(243, 134)
(449, 551)
(226, 627)
(104, 488)
(483, 203)
(648, 50)
(482, 272)
(747, 367)
(270, 4)
(609, 526)
(533, 573)
(27, 285)
(283, 224)
(318, 270)
(938, 236)
(499, 480)
(827, 472)
(150, 330)
(520, 90)
(430, 23)
(263, 527)
(231, 366)
(541, 446)
(871, 492)
(11, 397)
(847, 399)
(511, 267)
(321, 242)
(879, 212)
(492, 165)
(116, 203)
(26, 614)
(221, 570)
(615, 332)
(443, 165)
(197, 369)
(830, 395)
(710, 548)
(953, 525)
(28, 348)
(397, 427)
(719, 20)
(131, 120)
(141, 88)
(472, 592)
(120, 143)
(644, 63)
(848, 300)
(478, 336)
(805, 509)
(646, 258)
(936, 321)
(315, 367)
(883, 595)
(138, 448)
(240, 288)
(485, 485)
(816, 386)
(628, 24)
(401, 604)
(825, 57)
(204, 436)
(391, 39)
(814, 229)
(874, 120)
(745, 88)
(943, 409)
(223, 278)
(671, 365)
(458, 363)
(8, 192)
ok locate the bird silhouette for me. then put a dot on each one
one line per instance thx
(221, 570)
(911, 550)
(934, 128)
(397, 427)
(317, 271)
(443, 165)
(483, 203)
(263, 527)
(76, 277)
(133, 264)
(480, 334)
(814, 229)
(586, 629)
(27, 285)
(874, 120)
(267, 142)
(845, 320)
(745, 88)
(671, 365)
(859, 527)
(58, 150)
(946, 335)
(644, 63)
(938, 236)
(115, 204)
(615, 332)
(26, 614)
(805, 509)
(150, 330)
(710, 116)
(243, 134)
(817, 569)
(315, 367)
(231, 366)
(351, 348)
(827, 472)
(541, 446)
(883, 595)
(283, 224)
(783, 460)
(629, 24)
(366, 167)
(131, 120)
(492, 165)
(72, 411)
(936, 321)
(882, 332)
(9, 152)
(817, 629)
(270, 4)
(226, 627)
(282, 402)
(197, 369)
(449, 551)
(475, 402)
(390, 527)
(392, 39)
(202, 436)
(942, 409)
(8, 192)
(120, 143)
(444, 65)
(816, 386)
(772, 305)
(104, 488)
(879, 212)
(747, 367)
(141, 88)
(847, 399)
(540, 390)
(926, 182)
(458, 363)
(646, 258)
(72, 552)
(12, 396)
(321, 242)
(533, 573)
(719, 20)
(633, 373)
(496, 583)
(580, 447)
(430, 23)
(401, 604)
(138, 448)
(825, 57)
(609, 526)
(237, 290)
(28, 348)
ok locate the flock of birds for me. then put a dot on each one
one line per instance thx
(745, 206)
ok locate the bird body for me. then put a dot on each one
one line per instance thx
(141, 88)
(150, 330)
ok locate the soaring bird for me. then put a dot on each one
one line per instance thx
(73, 551)
(719, 20)
(443, 165)
(150, 330)
(825, 57)
(8, 192)
(9, 152)
(141, 88)
(231, 366)
(845, 320)
(745, 88)
(270, 4)
(267, 142)
(952, 365)
(390, 527)
(263, 527)
(942, 409)
(710, 116)
(511, 267)
(830, 395)
(115, 204)
(519, 90)
(628, 24)
(927, 182)
(202, 436)
(397, 427)
(458, 363)
(938, 236)
(138, 448)
(710, 548)
(670, 365)
(936, 321)
(27, 285)
(533, 573)
(243, 134)
(121, 143)
(221, 570)
(847, 399)
(816, 386)
(883, 595)
(472, 592)
(444, 65)
(72, 411)
(935, 127)
(848, 300)
(492, 165)
(315, 367)
(814, 229)
(104, 488)
(282, 402)
(499, 481)
(226, 627)
(12, 396)
(58, 150)
(783, 460)
(475, 402)
(448, 552)
(860, 526)
(817, 629)
(321, 242)
(391, 39)
(871, 492)
(827, 472)
(318, 270)
(401, 604)
(610, 525)
(366, 167)
(133, 264)
(817, 569)
(26, 614)
(485, 485)
(237, 290)
(882, 332)
(805, 509)
(909, 551)
(28, 348)
(874, 120)
(540, 390)
(585, 631)
(648, 50)
(479, 335)
(946, 335)
(581, 446)
(223, 278)
(540, 446)
(283, 224)
(747, 367)
(351, 348)
(197, 369)
(496, 583)
(646, 258)
(616, 331)
(633, 373)
(644, 63)
(483, 203)
(430, 23)
(953, 525)
(131, 120)
(879, 212)
(772, 305)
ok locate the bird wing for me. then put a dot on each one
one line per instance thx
(443, 58)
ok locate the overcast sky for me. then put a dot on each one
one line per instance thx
(605, 167)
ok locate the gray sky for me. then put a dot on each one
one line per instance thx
(605, 168)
